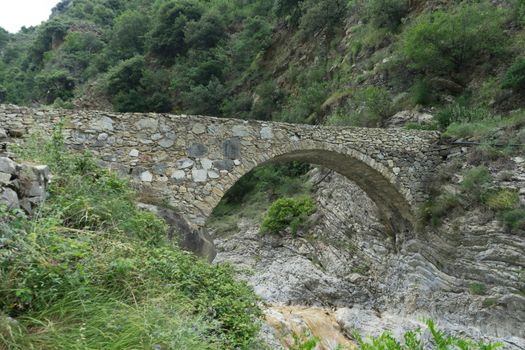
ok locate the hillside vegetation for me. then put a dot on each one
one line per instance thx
(336, 62)
(342, 62)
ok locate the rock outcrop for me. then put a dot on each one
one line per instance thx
(22, 186)
(347, 261)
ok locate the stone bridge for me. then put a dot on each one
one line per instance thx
(190, 162)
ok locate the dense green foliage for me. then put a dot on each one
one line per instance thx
(342, 62)
(92, 271)
(445, 42)
(515, 76)
(287, 212)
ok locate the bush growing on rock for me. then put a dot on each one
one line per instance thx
(368, 107)
(288, 212)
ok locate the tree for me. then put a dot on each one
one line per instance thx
(386, 13)
(515, 76)
(168, 36)
(49, 35)
(319, 15)
(54, 84)
(289, 10)
(4, 38)
(206, 32)
(133, 87)
(128, 37)
(445, 41)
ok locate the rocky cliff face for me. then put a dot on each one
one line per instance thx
(346, 261)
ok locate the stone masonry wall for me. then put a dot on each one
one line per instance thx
(191, 161)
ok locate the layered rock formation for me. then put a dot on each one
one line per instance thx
(348, 262)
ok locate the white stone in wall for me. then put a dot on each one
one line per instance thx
(7, 166)
(240, 131)
(134, 153)
(237, 162)
(102, 137)
(266, 133)
(185, 163)
(166, 143)
(156, 136)
(147, 123)
(102, 124)
(4, 178)
(179, 175)
(146, 176)
(206, 163)
(198, 128)
(199, 175)
(213, 174)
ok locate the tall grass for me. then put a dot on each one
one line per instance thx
(92, 271)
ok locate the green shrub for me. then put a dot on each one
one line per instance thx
(412, 341)
(514, 219)
(206, 32)
(54, 84)
(443, 42)
(476, 288)
(167, 39)
(422, 93)
(288, 212)
(515, 76)
(386, 13)
(502, 200)
(254, 38)
(476, 182)
(456, 113)
(439, 207)
(368, 106)
(128, 37)
(134, 87)
(319, 15)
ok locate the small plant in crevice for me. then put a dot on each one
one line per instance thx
(305, 341)
(290, 213)
(476, 288)
(437, 208)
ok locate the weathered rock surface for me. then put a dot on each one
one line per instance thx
(403, 118)
(347, 260)
(22, 185)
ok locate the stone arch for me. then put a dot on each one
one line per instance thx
(395, 204)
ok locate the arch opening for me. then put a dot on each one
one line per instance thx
(394, 210)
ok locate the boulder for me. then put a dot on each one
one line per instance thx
(402, 118)
(8, 166)
(9, 198)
